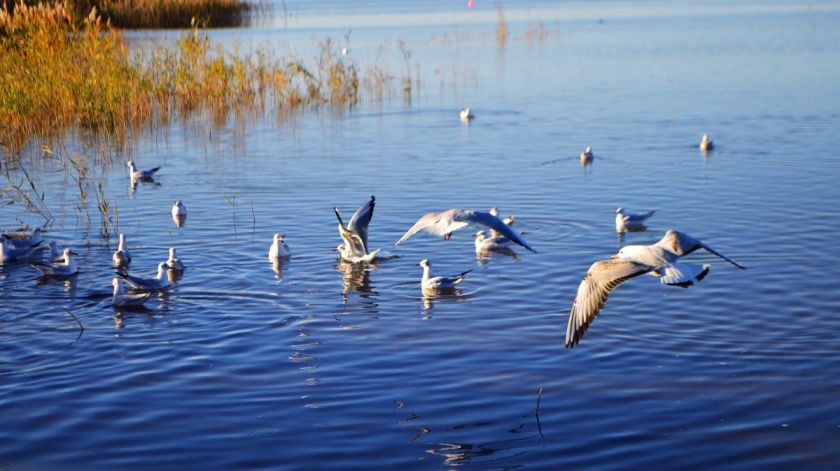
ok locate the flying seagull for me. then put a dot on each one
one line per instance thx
(355, 234)
(445, 222)
(659, 259)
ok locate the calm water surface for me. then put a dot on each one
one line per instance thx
(324, 366)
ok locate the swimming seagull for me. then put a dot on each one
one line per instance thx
(9, 253)
(438, 283)
(120, 299)
(626, 222)
(659, 259)
(355, 234)
(179, 213)
(173, 262)
(67, 268)
(122, 257)
(141, 175)
(278, 248)
(25, 242)
(445, 222)
(586, 156)
(706, 143)
(159, 282)
(466, 115)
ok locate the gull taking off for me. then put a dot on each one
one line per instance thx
(586, 156)
(706, 143)
(159, 282)
(355, 234)
(446, 222)
(278, 248)
(121, 299)
(67, 268)
(122, 257)
(179, 213)
(438, 283)
(466, 115)
(173, 262)
(9, 253)
(626, 222)
(24, 242)
(141, 175)
(659, 259)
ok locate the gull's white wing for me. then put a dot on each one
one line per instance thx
(601, 278)
(440, 223)
(494, 223)
(361, 219)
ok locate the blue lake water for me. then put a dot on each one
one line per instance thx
(322, 366)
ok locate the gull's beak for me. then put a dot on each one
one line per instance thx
(614, 257)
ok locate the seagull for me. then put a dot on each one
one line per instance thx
(355, 234)
(141, 175)
(10, 253)
(438, 283)
(466, 115)
(179, 213)
(25, 242)
(173, 262)
(122, 257)
(446, 222)
(626, 222)
(121, 299)
(56, 256)
(706, 143)
(508, 220)
(278, 248)
(586, 156)
(494, 242)
(159, 282)
(345, 51)
(659, 259)
(67, 268)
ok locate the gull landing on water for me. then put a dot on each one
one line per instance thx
(438, 283)
(355, 234)
(445, 222)
(466, 115)
(659, 259)
(626, 222)
(141, 175)
(120, 299)
(706, 143)
(278, 248)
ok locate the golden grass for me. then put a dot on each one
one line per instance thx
(155, 13)
(56, 72)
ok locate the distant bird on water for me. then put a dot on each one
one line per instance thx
(706, 143)
(278, 248)
(466, 115)
(586, 156)
(659, 259)
(626, 222)
(141, 175)
(66, 268)
(179, 213)
(438, 283)
(122, 257)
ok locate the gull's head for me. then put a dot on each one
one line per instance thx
(424, 263)
(161, 267)
(130, 164)
(67, 253)
(479, 235)
(179, 204)
(588, 150)
(619, 211)
(705, 138)
(172, 253)
(279, 238)
(122, 238)
(494, 211)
